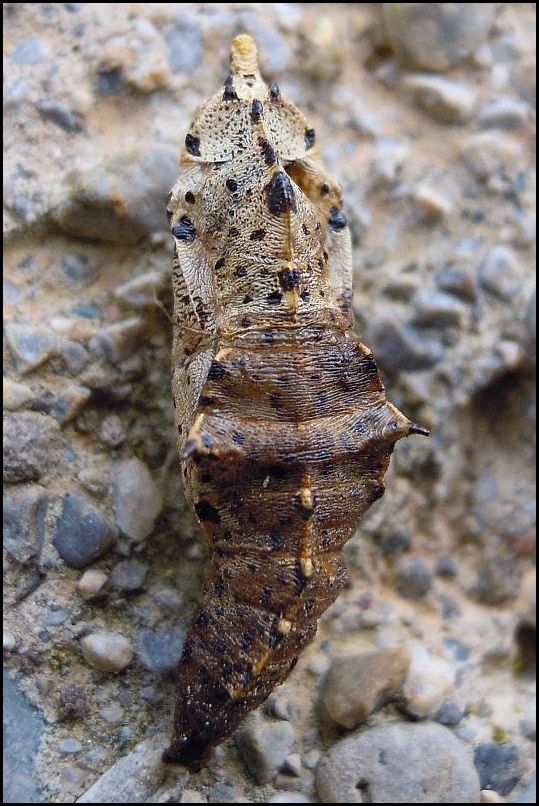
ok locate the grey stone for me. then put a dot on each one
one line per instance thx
(55, 617)
(109, 81)
(142, 291)
(91, 583)
(446, 567)
(78, 267)
(70, 402)
(527, 794)
(436, 36)
(160, 650)
(222, 793)
(185, 45)
(354, 687)
(72, 702)
(29, 443)
(400, 348)
(500, 273)
(398, 763)
(23, 727)
(24, 522)
(490, 155)
(458, 281)
(134, 778)
(58, 113)
(498, 581)
(288, 797)
(122, 199)
(75, 356)
(504, 113)
(264, 745)
(414, 578)
(69, 747)
(107, 651)
(168, 599)
(137, 499)
(436, 309)
(443, 99)
(118, 341)
(82, 534)
(128, 576)
(112, 431)
(497, 765)
(449, 714)
(31, 346)
(395, 543)
(30, 51)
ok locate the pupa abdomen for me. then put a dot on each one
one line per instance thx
(284, 428)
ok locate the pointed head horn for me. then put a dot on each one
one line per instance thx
(243, 55)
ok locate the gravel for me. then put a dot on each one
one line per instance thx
(29, 443)
(264, 745)
(24, 522)
(137, 499)
(31, 346)
(82, 534)
(497, 766)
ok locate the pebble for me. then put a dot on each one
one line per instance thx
(433, 204)
(112, 713)
(400, 348)
(29, 443)
(458, 281)
(394, 763)
(135, 777)
(58, 113)
(128, 576)
(436, 309)
(414, 578)
(497, 581)
(192, 796)
(311, 758)
(120, 340)
(82, 534)
(185, 46)
(500, 273)
(396, 543)
(77, 267)
(31, 346)
(437, 36)
(526, 794)
(497, 765)
(168, 599)
(75, 356)
(446, 567)
(15, 395)
(264, 745)
(112, 431)
(93, 481)
(91, 583)
(9, 642)
(288, 797)
(142, 291)
(354, 687)
(429, 683)
(449, 714)
(222, 793)
(504, 113)
(160, 650)
(109, 81)
(121, 199)
(137, 499)
(72, 702)
(490, 154)
(24, 522)
(69, 747)
(70, 402)
(443, 99)
(107, 651)
(30, 51)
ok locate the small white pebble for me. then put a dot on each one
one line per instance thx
(69, 747)
(107, 651)
(9, 642)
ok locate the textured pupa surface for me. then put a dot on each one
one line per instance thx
(284, 429)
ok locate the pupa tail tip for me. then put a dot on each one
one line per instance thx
(243, 55)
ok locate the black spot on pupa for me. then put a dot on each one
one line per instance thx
(241, 271)
(202, 619)
(305, 513)
(185, 230)
(204, 400)
(265, 596)
(305, 296)
(217, 371)
(275, 637)
(310, 137)
(247, 299)
(257, 110)
(169, 197)
(275, 92)
(190, 197)
(289, 279)
(274, 298)
(229, 94)
(299, 579)
(258, 235)
(246, 322)
(219, 264)
(270, 157)
(336, 220)
(206, 512)
(238, 438)
(305, 229)
(186, 654)
(233, 232)
(276, 541)
(280, 194)
(192, 145)
(232, 185)
(324, 189)
(247, 639)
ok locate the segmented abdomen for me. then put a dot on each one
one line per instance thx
(288, 449)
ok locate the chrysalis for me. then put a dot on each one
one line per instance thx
(283, 426)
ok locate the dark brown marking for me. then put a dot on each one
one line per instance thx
(280, 194)
(185, 230)
(192, 144)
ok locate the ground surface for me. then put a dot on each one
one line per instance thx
(426, 116)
